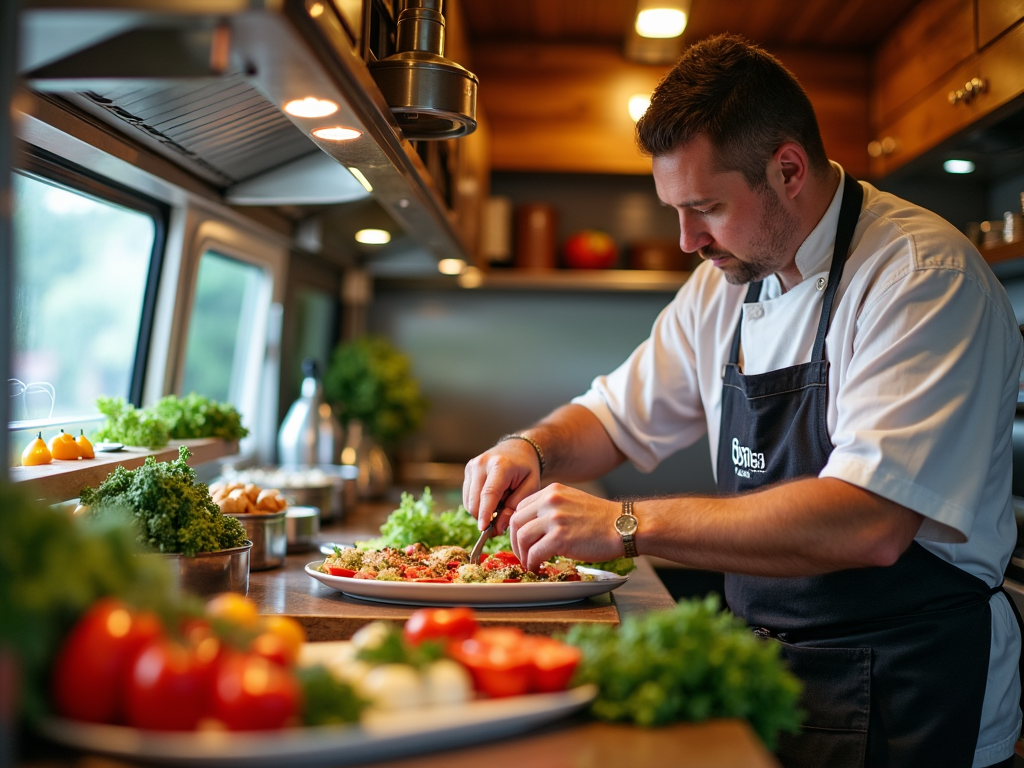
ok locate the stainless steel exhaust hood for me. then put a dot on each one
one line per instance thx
(205, 82)
(432, 97)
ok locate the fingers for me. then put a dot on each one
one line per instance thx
(500, 479)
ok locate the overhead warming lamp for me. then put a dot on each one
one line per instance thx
(430, 96)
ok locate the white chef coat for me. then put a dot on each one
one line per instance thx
(925, 357)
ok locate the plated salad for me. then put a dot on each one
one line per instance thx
(445, 565)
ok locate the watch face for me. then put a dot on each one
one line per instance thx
(625, 524)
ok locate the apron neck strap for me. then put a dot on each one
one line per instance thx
(849, 214)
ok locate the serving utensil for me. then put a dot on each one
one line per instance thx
(485, 534)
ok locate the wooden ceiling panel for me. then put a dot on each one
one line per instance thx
(851, 25)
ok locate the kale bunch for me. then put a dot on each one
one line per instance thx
(198, 416)
(692, 662)
(171, 510)
(129, 425)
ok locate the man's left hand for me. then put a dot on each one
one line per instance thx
(559, 520)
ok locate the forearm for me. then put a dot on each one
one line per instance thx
(800, 528)
(575, 444)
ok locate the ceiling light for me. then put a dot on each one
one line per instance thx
(311, 107)
(958, 166)
(660, 22)
(471, 278)
(337, 134)
(638, 104)
(373, 236)
(316, 10)
(360, 178)
(451, 266)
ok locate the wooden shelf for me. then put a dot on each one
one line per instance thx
(1003, 252)
(613, 280)
(63, 480)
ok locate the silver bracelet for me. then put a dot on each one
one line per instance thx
(531, 441)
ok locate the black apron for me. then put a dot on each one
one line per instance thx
(893, 660)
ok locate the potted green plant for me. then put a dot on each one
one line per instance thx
(378, 398)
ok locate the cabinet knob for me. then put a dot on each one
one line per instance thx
(883, 147)
(972, 88)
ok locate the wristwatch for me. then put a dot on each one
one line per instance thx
(626, 525)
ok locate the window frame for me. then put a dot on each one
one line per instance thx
(37, 163)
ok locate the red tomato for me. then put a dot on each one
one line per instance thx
(167, 688)
(500, 560)
(434, 580)
(590, 249)
(254, 694)
(271, 647)
(334, 570)
(497, 670)
(416, 572)
(89, 675)
(439, 624)
(553, 664)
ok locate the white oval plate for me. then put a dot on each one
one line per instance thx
(382, 735)
(472, 595)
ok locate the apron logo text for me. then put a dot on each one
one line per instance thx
(744, 460)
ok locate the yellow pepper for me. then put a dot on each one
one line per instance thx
(63, 446)
(36, 453)
(85, 446)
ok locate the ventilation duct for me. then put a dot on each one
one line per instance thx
(430, 96)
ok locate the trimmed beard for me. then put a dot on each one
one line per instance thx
(769, 250)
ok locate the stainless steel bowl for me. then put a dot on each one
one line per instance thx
(302, 525)
(210, 573)
(268, 537)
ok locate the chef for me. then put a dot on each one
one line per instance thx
(855, 365)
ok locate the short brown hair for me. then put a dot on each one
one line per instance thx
(741, 98)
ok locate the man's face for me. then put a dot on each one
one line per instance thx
(748, 234)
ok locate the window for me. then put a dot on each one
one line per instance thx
(84, 267)
(228, 298)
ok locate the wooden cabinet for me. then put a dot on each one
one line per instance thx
(997, 16)
(933, 79)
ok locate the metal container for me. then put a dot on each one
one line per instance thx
(268, 537)
(310, 433)
(302, 525)
(210, 573)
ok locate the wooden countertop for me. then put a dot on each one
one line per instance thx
(327, 614)
(578, 742)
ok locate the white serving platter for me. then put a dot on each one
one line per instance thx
(472, 595)
(380, 735)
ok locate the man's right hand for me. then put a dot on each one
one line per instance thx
(503, 475)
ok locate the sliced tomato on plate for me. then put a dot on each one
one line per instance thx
(336, 571)
(439, 624)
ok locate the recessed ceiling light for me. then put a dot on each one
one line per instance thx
(638, 104)
(451, 266)
(360, 178)
(660, 22)
(958, 166)
(373, 236)
(471, 277)
(337, 134)
(311, 107)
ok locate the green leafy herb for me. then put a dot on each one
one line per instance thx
(620, 565)
(326, 700)
(691, 662)
(129, 425)
(197, 416)
(53, 567)
(417, 520)
(172, 511)
(393, 648)
(373, 382)
(172, 417)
